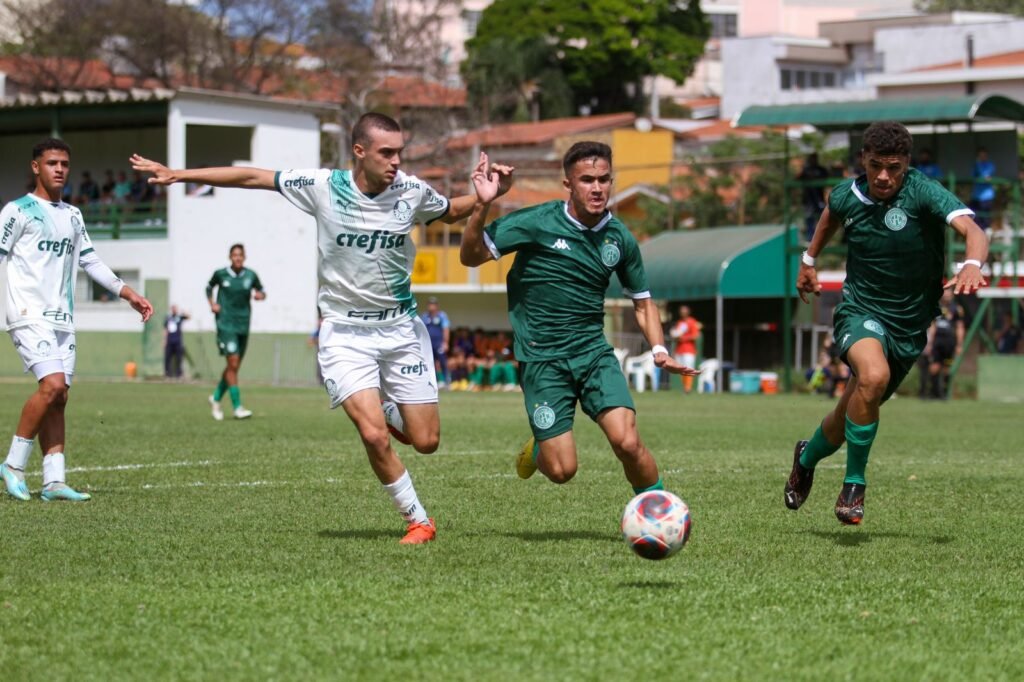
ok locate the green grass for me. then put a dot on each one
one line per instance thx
(266, 549)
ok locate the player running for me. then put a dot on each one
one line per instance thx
(566, 253)
(371, 339)
(236, 286)
(895, 219)
(44, 240)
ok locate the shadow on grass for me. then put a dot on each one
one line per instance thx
(562, 535)
(851, 538)
(364, 534)
(650, 585)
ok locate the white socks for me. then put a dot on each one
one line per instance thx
(403, 494)
(17, 456)
(53, 469)
(392, 416)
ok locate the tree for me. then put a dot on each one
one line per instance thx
(604, 48)
(1001, 6)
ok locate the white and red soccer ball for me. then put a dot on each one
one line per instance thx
(656, 524)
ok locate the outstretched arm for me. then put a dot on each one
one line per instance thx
(224, 176)
(807, 277)
(473, 251)
(462, 207)
(649, 321)
(970, 279)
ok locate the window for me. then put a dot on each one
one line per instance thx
(722, 25)
(815, 79)
(470, 20)
(786, 79)
(210, 145)
(830, 80)
(87, 291)
(801, 80)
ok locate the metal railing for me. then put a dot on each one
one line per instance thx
(131, 220)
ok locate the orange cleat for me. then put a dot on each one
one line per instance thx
(419, 533)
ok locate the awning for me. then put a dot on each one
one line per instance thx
(731, 262)
(846, 115)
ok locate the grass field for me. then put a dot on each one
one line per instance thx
(266, 550)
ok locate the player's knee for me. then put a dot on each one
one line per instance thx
(561, 474)
(627, 447)
(54, 393)
(427, 445)
(873, 382)
(375, 439)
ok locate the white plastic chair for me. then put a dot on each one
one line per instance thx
(640, 367)
(706, 379)
(620, 355)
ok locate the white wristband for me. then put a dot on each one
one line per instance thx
(658, 349)
(807, 259)
(973, 261)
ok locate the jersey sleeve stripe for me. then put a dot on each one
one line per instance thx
(957, 213)
(277, 181)
(3, 252)
(489, 243)
(86, 252)
(637, 295)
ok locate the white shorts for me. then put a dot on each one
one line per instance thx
(396, 360)
(45, 350)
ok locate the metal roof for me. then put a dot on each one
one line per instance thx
(734, 262)
(846, 115)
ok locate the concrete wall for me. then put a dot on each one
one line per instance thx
(908, 49)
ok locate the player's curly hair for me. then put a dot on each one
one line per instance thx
(588, 149)
(46, 145)
(887, 138)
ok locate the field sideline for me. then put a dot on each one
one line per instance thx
(266, 549)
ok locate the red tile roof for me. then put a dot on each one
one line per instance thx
(539, 132)
(1015, 58)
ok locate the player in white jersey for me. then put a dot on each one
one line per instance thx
(372, 343)
(44, 241)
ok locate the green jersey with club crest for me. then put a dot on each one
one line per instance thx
(896, 252)
(234, 295)
(557, 284)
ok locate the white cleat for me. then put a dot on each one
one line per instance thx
(242, 413)
(218, 414)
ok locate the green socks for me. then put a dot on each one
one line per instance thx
(221, 389)
(817, 449)
(658, 485)
(236, 396)
(858, 444)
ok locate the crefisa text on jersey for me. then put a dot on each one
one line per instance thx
(61, 248)
(382, 238)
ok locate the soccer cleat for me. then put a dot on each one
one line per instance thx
(419, 533)
(850, 505)
(526, 465)
(218, 414)
(798, 487)
(16, 487)
(390, 413)
(60, 491)
(242, 413)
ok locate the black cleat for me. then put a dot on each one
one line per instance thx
(798, 487)
(850, 505)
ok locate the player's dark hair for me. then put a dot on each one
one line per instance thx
(887, 138)
(236, 246)
(46, 145)
(372, 121)
(588, 149)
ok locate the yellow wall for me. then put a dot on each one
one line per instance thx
(440, 265)
(641, 157)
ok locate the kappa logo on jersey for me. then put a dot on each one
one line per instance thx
(61, 248)
(369, 242)
(561, 244)
(299, 182)
(610, 254)
(895, 219)
(848, 221)
(402, 211)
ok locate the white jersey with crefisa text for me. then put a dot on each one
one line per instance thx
(42, 242)
(366, 252)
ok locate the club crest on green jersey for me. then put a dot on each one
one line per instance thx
(610, 254)
(895, 219)
(544, 417)
(873, 326)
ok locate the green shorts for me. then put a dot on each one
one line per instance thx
(232, 342)
(851, 324)
(551, 389)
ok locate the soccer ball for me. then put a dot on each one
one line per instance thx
(656, 524)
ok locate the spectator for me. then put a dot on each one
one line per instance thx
(926, 164)
(813, 193)
(122, 188)
(503, 373)
(174, 343)
(945, 342)
(983, 195)
(107, 189)
(1008, 338)
(439, 330)
(88, 190)
(685, 333)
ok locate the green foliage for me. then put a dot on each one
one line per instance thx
(1003, 6)
(266, 549)
(604, 48)
(669, 108)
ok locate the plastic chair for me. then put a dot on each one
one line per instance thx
(640, 367)
(706, 379)
(620, 355)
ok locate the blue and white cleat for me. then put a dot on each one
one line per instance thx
(62, 491)
(16, 487)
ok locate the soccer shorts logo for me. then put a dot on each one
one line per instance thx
(43, 347)
(610, 254)
(544, 417)
(873, 326)
(895, 219)
(232, 347)
(332, 388)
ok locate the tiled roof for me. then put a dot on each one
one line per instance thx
(992, 61)
(521, 134)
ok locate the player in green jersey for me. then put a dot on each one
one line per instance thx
(236, 286)
(895, 220)
(566, 253)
